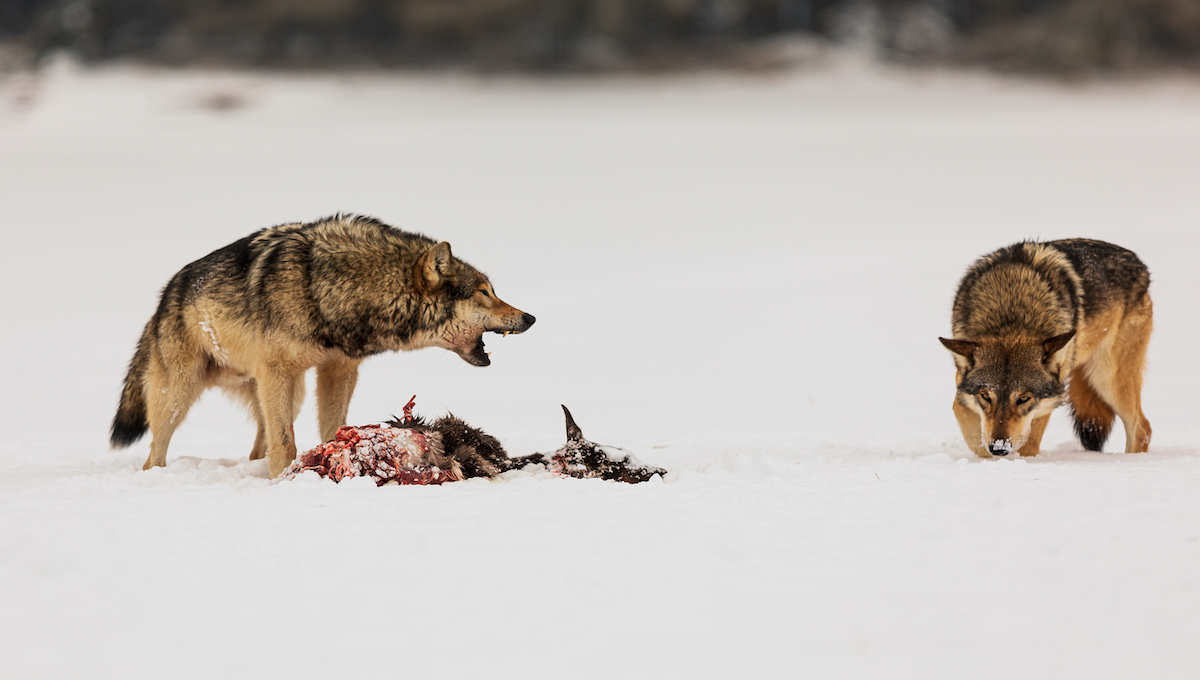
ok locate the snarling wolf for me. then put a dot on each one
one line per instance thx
(254, 316)
(1039, 323)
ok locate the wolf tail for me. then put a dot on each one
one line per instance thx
(131, 421)
(1093, 416)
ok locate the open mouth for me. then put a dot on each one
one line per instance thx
(478, 355)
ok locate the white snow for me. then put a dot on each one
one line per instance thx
(741, 279)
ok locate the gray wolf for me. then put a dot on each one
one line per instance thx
(254, 316)
(1035, 324)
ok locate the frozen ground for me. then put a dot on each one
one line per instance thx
(741, 279)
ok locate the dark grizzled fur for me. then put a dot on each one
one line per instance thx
(1042, 384)
(1004, 318)
(1110, 273)
(481, 455)
(1106, 272)
(584, 459)
(477, 452)
(245, 273)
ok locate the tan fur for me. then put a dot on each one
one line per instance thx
(254, 317)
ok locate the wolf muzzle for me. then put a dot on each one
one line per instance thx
(1000, 447)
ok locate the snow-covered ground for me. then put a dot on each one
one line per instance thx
(742, 279)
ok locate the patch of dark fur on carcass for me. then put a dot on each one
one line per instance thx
(478, 453)
(585, 460)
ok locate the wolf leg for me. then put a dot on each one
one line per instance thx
(259, 450)
(1093, 416)
(280, 391)
(968, 422)
(172, 386)
(1033, 443)
(1116, 374)
(336, 380)
(1129, 352)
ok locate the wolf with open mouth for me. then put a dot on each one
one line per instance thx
(254, 316)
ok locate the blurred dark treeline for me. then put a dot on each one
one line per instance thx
(1067, 36)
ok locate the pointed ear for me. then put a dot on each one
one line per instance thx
(963, 348)
(435, 264)
(1056, 343)
(573, 431)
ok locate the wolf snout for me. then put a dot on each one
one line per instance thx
(527, 319)
(1000, 447)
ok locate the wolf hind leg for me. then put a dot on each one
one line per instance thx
(972, 433)
(173, 383)
(336, 380)
(1115, 373)
(1092, 414)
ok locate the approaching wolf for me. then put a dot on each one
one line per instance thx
(1037, 323)
(254, 316)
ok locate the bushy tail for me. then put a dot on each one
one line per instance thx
(1093, 416)
(131, 421)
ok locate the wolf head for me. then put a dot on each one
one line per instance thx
(1009, 383)
(476, 309)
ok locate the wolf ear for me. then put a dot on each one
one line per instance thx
(573, 431)
(963, 348)
(1056, 343)
(436, 264)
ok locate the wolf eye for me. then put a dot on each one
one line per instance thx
(1022, 400)
(983, 396)
(485, 293)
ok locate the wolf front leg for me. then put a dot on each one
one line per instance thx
(968, 422)
(336, 379)
(280, 394)
(1033, 443)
